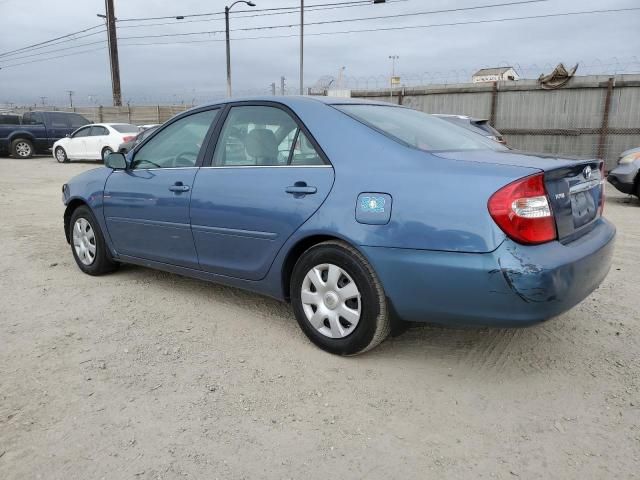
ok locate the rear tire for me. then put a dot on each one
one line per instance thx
(106, 151)
(61, 155)
(338, 299)
(22, 148)
(87, 243)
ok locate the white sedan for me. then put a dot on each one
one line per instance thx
(93, 142)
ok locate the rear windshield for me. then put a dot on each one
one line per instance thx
(125, 128)
(418, 129)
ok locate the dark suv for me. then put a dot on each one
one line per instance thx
(36, 132)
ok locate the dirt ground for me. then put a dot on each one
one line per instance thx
(145, 375)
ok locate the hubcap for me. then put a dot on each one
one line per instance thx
(84, 241)
(60, 155)
(331, 300)
(23, 149)
(106, 152)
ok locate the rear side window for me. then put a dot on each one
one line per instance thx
(263, 136)
(417, 129)
(125, 128)
(9, 120)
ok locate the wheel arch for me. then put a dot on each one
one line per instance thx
(301, 246)
(21, 135)
(71, 207)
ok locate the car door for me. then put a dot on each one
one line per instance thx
(259, 189)
(75, 146)
(94, 143)
(146, 206)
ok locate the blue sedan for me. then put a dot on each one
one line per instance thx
(362, 215)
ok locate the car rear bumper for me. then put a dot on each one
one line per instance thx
(623, 177)
(514, 285)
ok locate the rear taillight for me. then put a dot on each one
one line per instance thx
(521, 209)
(128, 138)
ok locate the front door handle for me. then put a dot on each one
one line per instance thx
(179, 187)
(301, 188)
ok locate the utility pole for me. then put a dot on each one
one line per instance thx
(273, 89)
(282, 81)
(43, 99)
(110, 18)
(70, 92)
(393, 59)
(226, 21)
(301, 47)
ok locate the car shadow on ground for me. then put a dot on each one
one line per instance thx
(623, 200)
(483, 347)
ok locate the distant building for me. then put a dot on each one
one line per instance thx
(495, 75)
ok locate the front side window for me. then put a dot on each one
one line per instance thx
(60, 120)
(83, 132)
(76, 120)
(176, 145)
(417, 129)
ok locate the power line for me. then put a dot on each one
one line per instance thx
(346, 20)
(51, 40)
(210, 14)
(406, 27)
(51, 44)
(306, 9)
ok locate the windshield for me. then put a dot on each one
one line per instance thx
(418, 129)
(125, 128)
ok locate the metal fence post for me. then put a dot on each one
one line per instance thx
(158, 113)
(494, 105)
(604, 128)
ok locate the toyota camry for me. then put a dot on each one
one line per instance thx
(361, 215)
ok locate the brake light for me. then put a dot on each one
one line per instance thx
(521, 209)
(128, 138)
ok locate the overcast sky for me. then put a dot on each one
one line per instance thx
(195, 68)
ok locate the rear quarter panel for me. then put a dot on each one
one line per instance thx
(437, 203)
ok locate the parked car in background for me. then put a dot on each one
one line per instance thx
(129, 145)
(93, 142)
(626, 176)
(148, 126)
(355, 212)
(479, 126)
(37, 132)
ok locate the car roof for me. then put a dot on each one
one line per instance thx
(294, 100)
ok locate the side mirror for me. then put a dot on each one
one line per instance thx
(68, 135)
(116, 161)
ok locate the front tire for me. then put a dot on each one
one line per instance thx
(338, 299)
(22, 148)
(87, 244)
(61, 155)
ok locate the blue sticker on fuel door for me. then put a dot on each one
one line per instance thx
(373, 208)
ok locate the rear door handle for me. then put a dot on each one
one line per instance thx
(301, 188)
(179, 187)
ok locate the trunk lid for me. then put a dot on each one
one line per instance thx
(575, 187)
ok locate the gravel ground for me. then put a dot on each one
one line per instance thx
(144, 375)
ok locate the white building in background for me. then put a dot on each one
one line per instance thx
(495, 75)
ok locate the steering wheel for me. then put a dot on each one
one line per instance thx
(185, 159)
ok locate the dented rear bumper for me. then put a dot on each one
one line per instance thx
(515, 285)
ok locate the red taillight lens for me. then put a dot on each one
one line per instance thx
(128, 138)
(521, 209)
